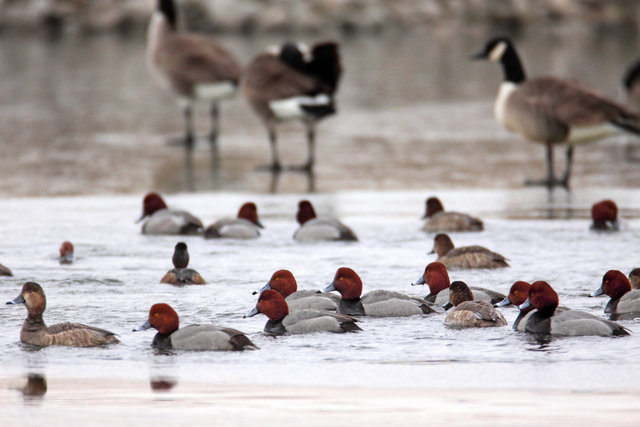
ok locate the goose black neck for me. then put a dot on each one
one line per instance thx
(512, 67)
(168, 9)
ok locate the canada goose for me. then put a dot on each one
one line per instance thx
(551, 111)
(289, 83)
(191, 66)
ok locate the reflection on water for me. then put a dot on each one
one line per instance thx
(81, 115)
(162, 384)
(36, 387)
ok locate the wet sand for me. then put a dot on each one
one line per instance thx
(108, 402)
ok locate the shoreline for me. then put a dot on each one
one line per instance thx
(102, 402)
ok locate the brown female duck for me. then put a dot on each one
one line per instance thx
(35, 332)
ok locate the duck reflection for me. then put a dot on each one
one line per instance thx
(36, 387)
(162, 384)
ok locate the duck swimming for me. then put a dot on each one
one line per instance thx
(549, 321)
(470, 313)
(437, 278)
(605, 216)
(313, 229)
(4, 271)
(518, 294)
(245, 226)
(274, 306)
(162, 220)
(35, 332)
(379, 303)
(440, 220)
(285, 284)
(624, 302)
(467, 256)
(193, 337)
(180, 274)
(66, 253)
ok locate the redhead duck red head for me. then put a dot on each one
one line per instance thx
(436, 277)
(35, 332)
(151, 204)
(625, 301)
(347, 282)
(66, 253)
(165, 320)
(605, 216)
(283, 282)
(306, 212)
(518, 294)
(249, 211)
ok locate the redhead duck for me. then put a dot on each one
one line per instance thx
(163, 220)
(549, 321)
(193, 337)
(285, 284)
(470, 313)
(35, 332)
(4, 271)
(313, 229)
(518, 294)
(634, 278)
(180, 274)
(467, 256)
(437, 278)
(377, 303)
(605, 216)
(245, 226)
(273, 305)
(66, 253)
(292, 82)
(439, 220)
(624, 302)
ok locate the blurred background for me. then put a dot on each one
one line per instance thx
(79, 113)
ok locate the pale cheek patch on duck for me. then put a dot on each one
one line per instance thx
(294, 108)
(215, 91)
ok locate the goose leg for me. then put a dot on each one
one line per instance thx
(215, 124)
(311, 141)
(189, 135)
(567, 171)
(273, 141)
(551, 180)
